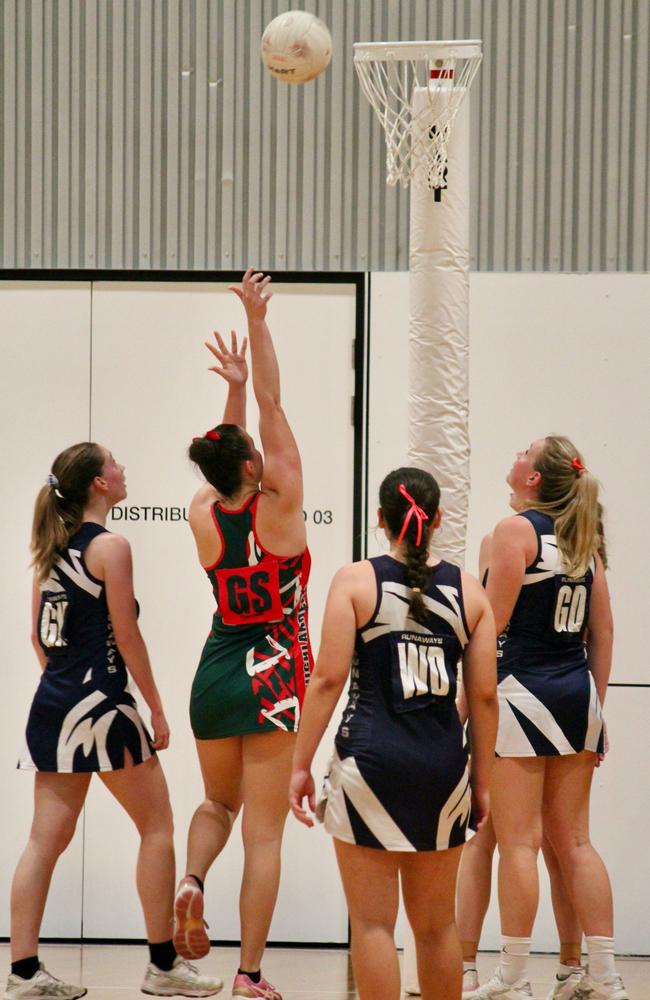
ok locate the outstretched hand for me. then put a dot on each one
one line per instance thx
(232, 363)
(253, 293)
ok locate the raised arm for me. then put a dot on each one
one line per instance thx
(328, 679)
(233, 369)
(282, 469)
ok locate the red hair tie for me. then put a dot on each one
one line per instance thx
(413, 509)
(577, 465)
(211, 435)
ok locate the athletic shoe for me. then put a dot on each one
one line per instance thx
(243, 986)
(564, 989)
(497, 988)
(40, 986)
(607, 989)
(190, 936)
(182, 980)
(470, 982)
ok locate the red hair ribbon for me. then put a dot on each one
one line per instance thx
(211, 435)
(413, 509)
(577, 465)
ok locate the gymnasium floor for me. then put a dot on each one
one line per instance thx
(115, 972)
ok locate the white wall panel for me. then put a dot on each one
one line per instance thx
(44, 407)
(151, 392)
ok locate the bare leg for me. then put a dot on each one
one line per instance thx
(474, 884)
(516, 794)
(569, 928)
(267, 759)
(58, 799)
(566, 821)
(221, 767)
(371, 883)
(429, 888)
(142, 791)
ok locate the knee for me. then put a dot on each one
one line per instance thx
(159, 823)
(429, 932)
(224, 809)
(56, 840)
(566, 841)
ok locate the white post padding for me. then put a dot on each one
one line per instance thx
(439, 360)
(439, 335)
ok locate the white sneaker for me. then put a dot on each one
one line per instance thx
(182, 979)
(607, 989)
(41, 985)
(470, 982)
(565, 988)
(497, 988)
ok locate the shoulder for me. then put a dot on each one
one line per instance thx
(109, 546)
(202, 502)
(512, 529)
(353, 575)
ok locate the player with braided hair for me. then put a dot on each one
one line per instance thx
(398, 793)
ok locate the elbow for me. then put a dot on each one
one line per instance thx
(126, 639)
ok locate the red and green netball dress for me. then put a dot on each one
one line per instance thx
(257, 660)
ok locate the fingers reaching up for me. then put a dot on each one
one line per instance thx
(232, 362)
(254, 293)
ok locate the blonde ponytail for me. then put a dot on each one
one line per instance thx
(60, 505)
(569, 494)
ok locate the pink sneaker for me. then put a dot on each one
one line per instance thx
(190, 936)
(245, 987)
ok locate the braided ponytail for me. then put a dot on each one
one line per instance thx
(409, 499)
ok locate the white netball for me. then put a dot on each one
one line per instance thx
(296, 46)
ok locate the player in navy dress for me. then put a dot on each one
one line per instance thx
(83, 719)
(398, 794)
(547, 586)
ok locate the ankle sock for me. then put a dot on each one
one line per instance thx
(253, 976)
(469, 964)
(601, 958)
(198, 881)
(163, 955)
(25, 967)
(514, 958)
(564, 971)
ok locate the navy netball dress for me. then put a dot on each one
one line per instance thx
(82, 718)
(398, 778)
(548, 703)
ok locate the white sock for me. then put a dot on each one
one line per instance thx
(471, 964)
(564, 971)
(514, 958)
(601, 958)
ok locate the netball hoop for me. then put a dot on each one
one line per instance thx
(418, 91)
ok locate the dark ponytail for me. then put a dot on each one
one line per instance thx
(220, 455)
(397, 509)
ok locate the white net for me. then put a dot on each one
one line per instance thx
(416, 132)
